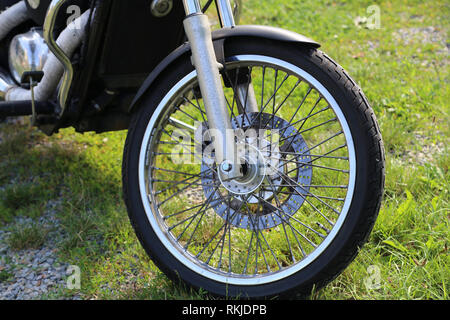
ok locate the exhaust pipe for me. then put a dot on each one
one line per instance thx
(19, 108)
(12, 17)
(5, 84)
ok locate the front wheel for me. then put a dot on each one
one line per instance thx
(273, 232)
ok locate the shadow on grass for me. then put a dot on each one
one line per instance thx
(79, 178)
(36, 169)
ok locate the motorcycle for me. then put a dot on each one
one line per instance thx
(253, 165)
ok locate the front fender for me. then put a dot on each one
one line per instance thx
(219, 37)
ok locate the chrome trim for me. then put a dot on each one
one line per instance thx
(225, 13)
(6, 83)
(192, 7)
(27, 52)
(49, 25)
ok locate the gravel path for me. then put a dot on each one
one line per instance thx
(426, 35)
(33, 273)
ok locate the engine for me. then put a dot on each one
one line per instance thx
(21, 36)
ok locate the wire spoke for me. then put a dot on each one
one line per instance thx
(294, 184)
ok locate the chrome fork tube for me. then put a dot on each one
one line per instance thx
(192, 7)
(225, 13)
(245, 92)
(246, 99)
(198, 32)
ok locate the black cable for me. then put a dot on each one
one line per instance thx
(207, 5)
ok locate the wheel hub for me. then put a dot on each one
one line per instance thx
(265, 172)
(253, 172)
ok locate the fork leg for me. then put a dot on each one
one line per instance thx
(198, 32)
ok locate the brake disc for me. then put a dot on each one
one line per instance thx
(251, 206)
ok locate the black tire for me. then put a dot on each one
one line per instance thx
(368, 190)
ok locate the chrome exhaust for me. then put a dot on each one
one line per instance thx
(6, 83)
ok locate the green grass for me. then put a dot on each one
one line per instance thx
(5, 276)
(406, 82)
(27, 237)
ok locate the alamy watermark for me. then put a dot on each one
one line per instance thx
(373, 281)
(73, 281)
(373, 19)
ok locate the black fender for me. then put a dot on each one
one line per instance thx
(219, 37)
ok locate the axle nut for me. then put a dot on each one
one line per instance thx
(226, 166)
